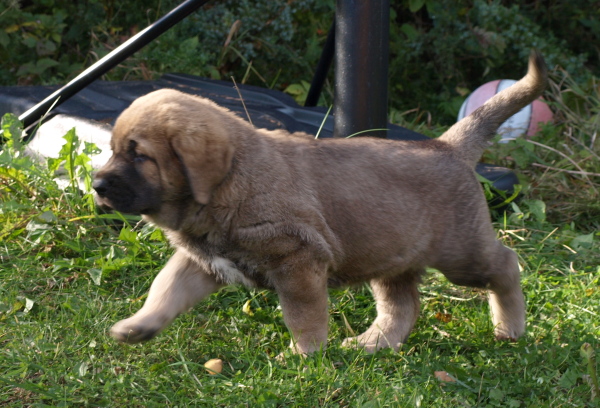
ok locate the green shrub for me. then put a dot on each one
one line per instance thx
(247, 39)
(446, 49)
(439, 50)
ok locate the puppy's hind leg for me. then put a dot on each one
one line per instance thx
(495, 268)
(177, 287)
(507, 304)
(398, 306)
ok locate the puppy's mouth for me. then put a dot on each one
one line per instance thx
(107, 206)
(124, 200)
(103, 204)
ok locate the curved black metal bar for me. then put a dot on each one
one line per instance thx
(316, 86)
(115, 57)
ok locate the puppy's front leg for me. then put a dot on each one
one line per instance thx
(177, 287)
(303, 298)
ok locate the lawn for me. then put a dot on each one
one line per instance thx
(68, 273)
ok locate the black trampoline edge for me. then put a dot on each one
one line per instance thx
(103, 101)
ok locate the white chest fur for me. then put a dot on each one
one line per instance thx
(228, 273)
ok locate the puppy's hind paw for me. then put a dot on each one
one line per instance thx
(282, 357)
(369, 343)
(509, 329)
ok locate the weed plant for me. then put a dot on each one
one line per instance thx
(67, 273)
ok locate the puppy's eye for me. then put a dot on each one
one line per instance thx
(134, 155)
(140, 158)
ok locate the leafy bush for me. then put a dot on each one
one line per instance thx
(446, 49)
(439, 50)
(256, 39)
(45, 42)
(49, 41)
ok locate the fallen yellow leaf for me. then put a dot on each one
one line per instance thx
(246, 308)
(214, 366)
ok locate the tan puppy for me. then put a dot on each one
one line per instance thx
(287, 212)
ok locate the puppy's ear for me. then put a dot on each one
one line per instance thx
(206, 158)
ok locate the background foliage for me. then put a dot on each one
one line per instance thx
(440, 50)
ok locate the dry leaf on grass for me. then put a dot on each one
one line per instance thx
(443, 317)
(443, 376)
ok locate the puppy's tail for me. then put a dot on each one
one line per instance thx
(471, 135)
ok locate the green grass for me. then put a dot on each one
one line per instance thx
(67, 274)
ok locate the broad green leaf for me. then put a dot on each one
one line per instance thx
(537, 209)
(410, 31)
(189, 44)
(415, 5)
(48, 217)
(496, 394)
(568, 379)
(128, 235)
(12, 131)
(96, 275)
(45, 63)
(583, 241)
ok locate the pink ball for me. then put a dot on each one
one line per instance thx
(526, 121)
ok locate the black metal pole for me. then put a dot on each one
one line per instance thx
(361, 67)
(316, 86)
(111, 60)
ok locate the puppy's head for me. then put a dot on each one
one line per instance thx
(168, 148)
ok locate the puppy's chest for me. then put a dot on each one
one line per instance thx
(229, 262)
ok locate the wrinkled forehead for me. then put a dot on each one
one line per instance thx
(135, 125)
(158, 116)
(131, 142)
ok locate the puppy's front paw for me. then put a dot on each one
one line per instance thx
(134, 331)
(505, 332)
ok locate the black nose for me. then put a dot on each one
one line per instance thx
(101, 186)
